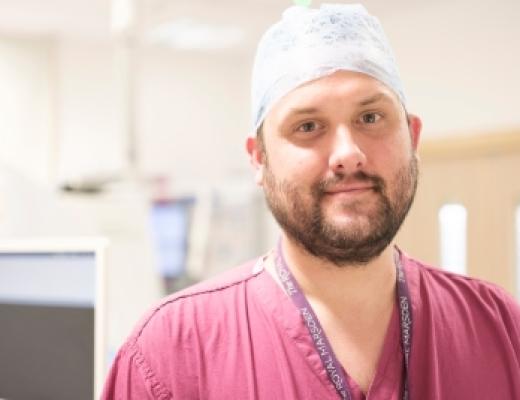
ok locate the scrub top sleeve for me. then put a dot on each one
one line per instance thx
(131, 377)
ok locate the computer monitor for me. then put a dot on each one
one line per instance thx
(52, 319)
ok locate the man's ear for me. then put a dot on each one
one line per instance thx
(415, 127)
(256, 157)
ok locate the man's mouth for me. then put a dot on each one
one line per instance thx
(350, 189)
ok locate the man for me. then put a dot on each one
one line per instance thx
(336, 310)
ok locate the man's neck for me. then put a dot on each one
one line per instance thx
(352, 289)
(353, 303)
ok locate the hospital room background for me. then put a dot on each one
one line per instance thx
(124, 122)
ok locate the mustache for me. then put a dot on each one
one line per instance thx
(357, 177)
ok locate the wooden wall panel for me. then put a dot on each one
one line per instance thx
(483, 174)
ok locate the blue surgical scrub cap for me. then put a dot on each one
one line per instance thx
(307, 44)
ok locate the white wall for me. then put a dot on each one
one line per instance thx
(90, 125)
(459, 61)
(193, 116)
(27, 107)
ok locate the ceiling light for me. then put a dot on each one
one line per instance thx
(188, 34)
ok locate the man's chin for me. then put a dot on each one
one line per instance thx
(346, 221)
(367, 208)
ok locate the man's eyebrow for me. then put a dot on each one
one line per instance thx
(374, 99)
(365, 102)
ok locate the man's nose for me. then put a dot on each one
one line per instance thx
(346, 155)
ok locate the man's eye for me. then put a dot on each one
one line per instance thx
(370, 118)
(308, 127)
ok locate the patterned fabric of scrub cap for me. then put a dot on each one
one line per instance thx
(307, 44)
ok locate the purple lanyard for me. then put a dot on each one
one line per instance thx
(327, 356)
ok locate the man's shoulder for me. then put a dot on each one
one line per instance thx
(469, 320)
(442, 288)
(196, 302)
(181, 331)
(438, 277)
(222, 282)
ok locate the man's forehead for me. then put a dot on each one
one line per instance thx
(349, 88)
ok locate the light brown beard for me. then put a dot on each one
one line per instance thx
(308, 227)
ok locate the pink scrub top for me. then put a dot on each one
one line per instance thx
(240, 336)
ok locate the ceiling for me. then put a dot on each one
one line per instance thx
(434, 41)
(91, 19)
(85, 18)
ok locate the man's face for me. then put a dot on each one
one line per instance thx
(338, 167)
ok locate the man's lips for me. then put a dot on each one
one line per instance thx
(353, 188)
